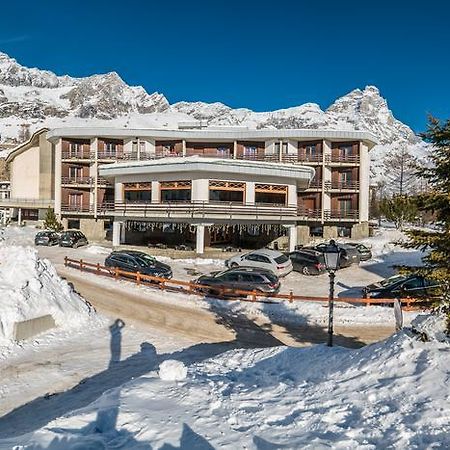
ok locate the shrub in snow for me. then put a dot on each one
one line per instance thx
(30, 288)
(172, 370)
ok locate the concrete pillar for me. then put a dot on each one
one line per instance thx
(58, 173)
(200, 190)
(292, 230)
(19, 217)
(303, 234)
(292, 195)
(360, 230)
(249, 192)
(364, 174)
(200, 239)
(330, 232)
(183, 144)
(94, 151)
(155, 192)
(117, 233)
(118, 192)
(234, 149)
(280, 153)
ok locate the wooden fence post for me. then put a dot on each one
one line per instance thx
(138, 278)
(65, 261)
(116, 272)
(291, 296)
(81, 264)
(254, 296)
(98, 269)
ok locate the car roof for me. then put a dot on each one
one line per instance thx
(266, 252)
(250, 270)
(309, 251)
(130, 252)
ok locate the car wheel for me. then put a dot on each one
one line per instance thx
(306, 271)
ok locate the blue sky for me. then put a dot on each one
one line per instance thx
(260, 54)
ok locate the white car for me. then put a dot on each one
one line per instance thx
(264, 258)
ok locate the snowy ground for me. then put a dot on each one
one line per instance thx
(393, 394)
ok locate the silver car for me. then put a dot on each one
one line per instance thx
(264, 258)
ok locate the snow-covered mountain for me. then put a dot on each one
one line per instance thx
(33, 98)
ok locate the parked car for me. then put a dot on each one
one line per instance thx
(46, 237)
(348, 255)
(264, 258)
(134, 261)
(241, 278)
(364, 252)
(402, 286)
(308, 261)
(72, 238)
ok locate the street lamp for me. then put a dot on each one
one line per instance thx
(331, 256)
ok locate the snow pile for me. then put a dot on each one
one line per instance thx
(30, 288)
(431, 327)
(172, 370)
(97, 250)
(393, 394)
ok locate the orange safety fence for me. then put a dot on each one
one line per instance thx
(190, 287)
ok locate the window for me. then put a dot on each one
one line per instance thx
(110, 148)
(223, 152)
(285, 148)
(175, 191)
(226, 191)
(345, 150)
(75, 199)
(250, 151)
(258, 258)
(414, 283)
(75, 172)
(311, 152)
(233, 277)
(345, 205)
(138, 196)
(345, 177)
(281, 259)
(270, 194)
(75, 149)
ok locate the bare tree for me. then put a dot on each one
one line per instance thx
(400, 169)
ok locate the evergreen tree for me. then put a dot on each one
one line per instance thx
(399, 209)
(436, 200)
(51, 221)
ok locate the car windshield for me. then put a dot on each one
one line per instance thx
(146, 260)
(271, 277)
(392, 280)
(281, 259)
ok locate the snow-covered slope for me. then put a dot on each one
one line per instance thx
(37, 98)
(393, 394)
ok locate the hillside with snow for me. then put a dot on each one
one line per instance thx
(31, 98)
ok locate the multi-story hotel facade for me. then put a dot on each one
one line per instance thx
(202, 186)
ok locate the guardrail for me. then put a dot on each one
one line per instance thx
(189, 287)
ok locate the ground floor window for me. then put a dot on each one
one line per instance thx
(271, 194)
(175, 191)
(226, 191)
(73, 224)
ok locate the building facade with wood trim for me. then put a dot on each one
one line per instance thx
(316, 181)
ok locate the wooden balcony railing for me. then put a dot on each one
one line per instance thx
(77, 180)
(354, 159)
(342, 185)
(352, 214)
(309, 213)
(76, 155)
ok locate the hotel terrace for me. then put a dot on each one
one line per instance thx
(204, 187)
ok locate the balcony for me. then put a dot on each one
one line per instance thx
(77, 209)
(104, 182)
(310, 158)
(309, 214)
(75, 156)
(349, 185)
(342, 159)
(341, 215)
(199, 210)
(30, 203)
(315, 184)
(71, 181)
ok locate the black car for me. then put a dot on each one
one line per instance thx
(72, 238)
(402, 286)
(364, 252)
(241, 278)
(308, 261)
(134, 261)
(348, 255)
(47, 238)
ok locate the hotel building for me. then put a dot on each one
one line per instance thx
(201, 186)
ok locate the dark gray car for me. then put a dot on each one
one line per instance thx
(47, 238)
(72, 238)
(241, 278)
(348, 255)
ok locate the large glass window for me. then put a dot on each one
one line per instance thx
(137, 192)
(270, 194)
(175, 191)
(226, 191)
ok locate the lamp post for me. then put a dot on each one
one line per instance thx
(331, 256)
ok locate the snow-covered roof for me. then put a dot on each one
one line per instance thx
(213, 134)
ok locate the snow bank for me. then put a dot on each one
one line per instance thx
(432, 327)
(30, 288)
(172, 370)
(393, 394)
